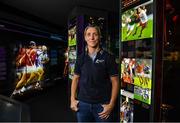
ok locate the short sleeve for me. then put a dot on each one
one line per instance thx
(112, 66)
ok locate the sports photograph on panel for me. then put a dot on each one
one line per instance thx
(137, 22)
(31, 60)
(128, 70)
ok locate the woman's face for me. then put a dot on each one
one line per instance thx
(92, 37)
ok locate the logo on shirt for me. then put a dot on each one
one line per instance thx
(99, 61)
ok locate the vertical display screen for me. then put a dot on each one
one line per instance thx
(72, 53)
(136, 34)
(31, 59)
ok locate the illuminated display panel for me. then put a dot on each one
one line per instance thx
(72, 59)
(138, 72)
(72, 49)
(72, 36)
(31, 59)
(126, 108)
(137, 21)
(136, 32)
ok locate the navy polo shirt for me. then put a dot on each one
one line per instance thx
(94, 83)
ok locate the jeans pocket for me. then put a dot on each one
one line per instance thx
(78, 106)
(82, 106)
(101, 105)
(100, 108)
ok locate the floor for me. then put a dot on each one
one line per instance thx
(51, 104)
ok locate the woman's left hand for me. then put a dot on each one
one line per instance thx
(107, 109)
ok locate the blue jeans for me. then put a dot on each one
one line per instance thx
(89, 113)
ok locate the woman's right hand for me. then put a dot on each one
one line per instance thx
(74, 105)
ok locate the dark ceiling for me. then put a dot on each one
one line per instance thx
(55, 12)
